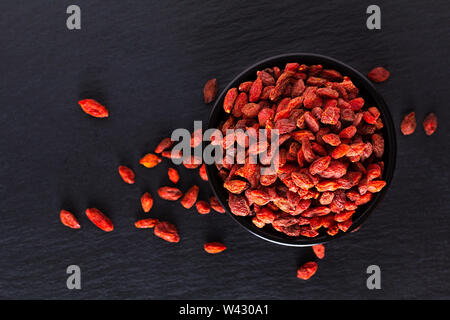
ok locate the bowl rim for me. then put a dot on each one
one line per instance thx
(388, 134)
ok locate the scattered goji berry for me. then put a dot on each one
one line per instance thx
(146, 223)
(319, 250)
(146, 202)
(210, 90)
(307, 270)
(190, 197)
(173, 175)
(408, 125)
(202, 173)
(166, 143)
(379, 74)
(166, 231)
(430, 124)
(93, 108)
(203, 207)
(170, 193)
(215, 205)
(127, 174)
(150, 160)
(69, 220)
(214, 247)
(99, 219)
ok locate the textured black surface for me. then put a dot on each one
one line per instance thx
(148, 62)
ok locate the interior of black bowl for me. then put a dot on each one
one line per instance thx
(370, 95)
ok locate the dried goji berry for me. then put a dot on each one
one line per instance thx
(230, 97)
(146, 223)
(210, 90)
(356, 104)
(196, 138)
(190, 197)
(203, 207)
(99, 219)
(236, 186)
(170, 193)
(214, 247)
(146, 202)
(202, 173)
(238, 205)
(319, 250)
(166, 231)
(378, 145)
(307, 270)
(215, 205)
(343, 216)
(165, 143)
(127, 174)
(250, 110)
(69, 220)
(379, 74)
(150, 160)
(255, 90)
(173, 175)
(340, 151)
(375, 185)
(330, 115)
(93, 108)
(408, 125)
(245, 86)
(332, 139)
(344, 226)
(348, 132)
(430, 124)
(240, 102)
(319, 165)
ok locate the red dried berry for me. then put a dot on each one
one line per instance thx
(99, 219)
(307, 270)
(69, 220)
(146, 223)
(379, 74)
(210, 90)
(203, 207)
(408, 125)
(430, 124)
(215, 205)
(165, 144)
(319, 250)
(170, 193)
(166, 231)
(214, 247)
(190, 197)
(202, 173)
(127, 174)
(173, 175)
(93, 108)
(146, 202)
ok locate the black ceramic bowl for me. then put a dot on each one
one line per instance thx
(370, 95)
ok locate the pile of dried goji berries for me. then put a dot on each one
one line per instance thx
(330, 150)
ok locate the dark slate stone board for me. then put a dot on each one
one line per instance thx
(148, 61)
